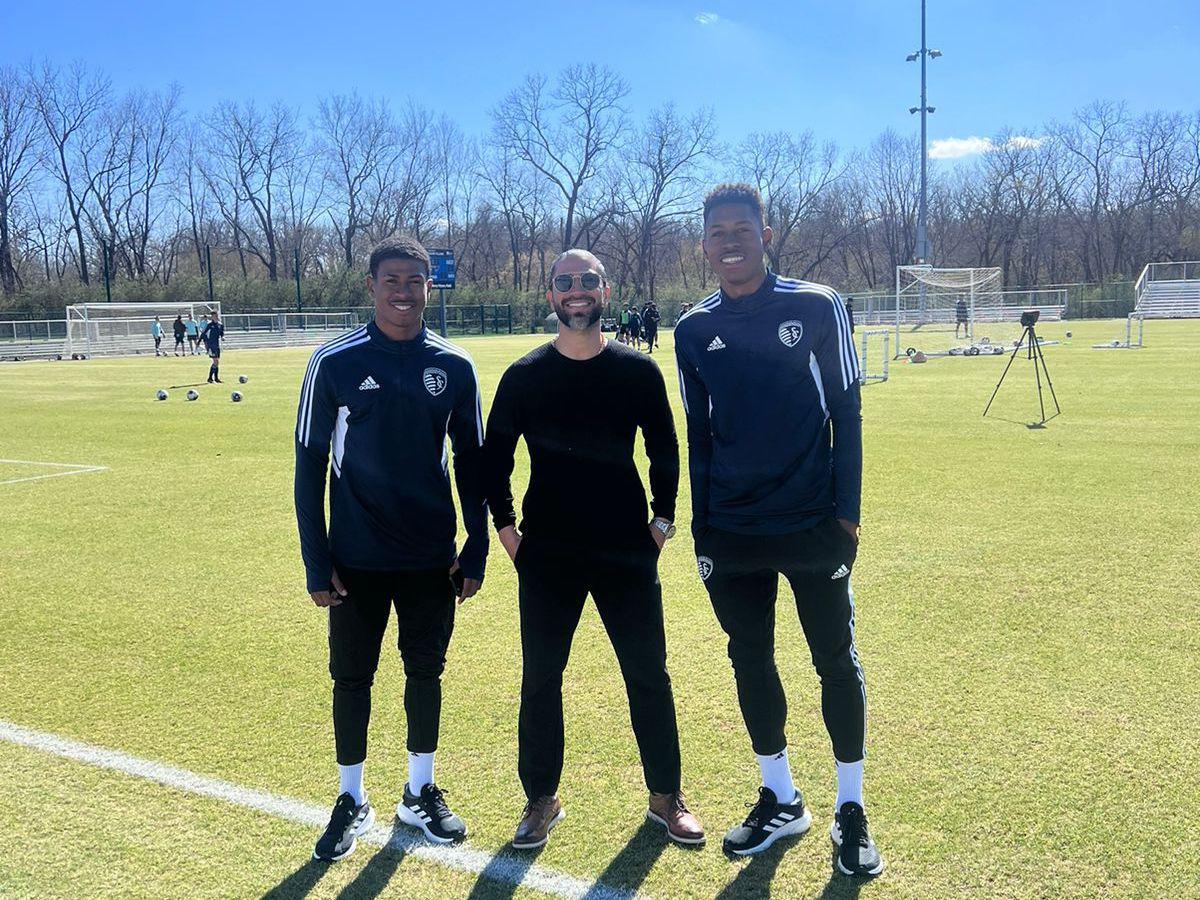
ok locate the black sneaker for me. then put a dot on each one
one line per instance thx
(430, 813)
(348, 821)
(856, 854)
(768, 821)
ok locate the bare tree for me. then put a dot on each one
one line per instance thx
(564, 133)
(358, 142)
(19, 146)
(660, 182)
(67, 103)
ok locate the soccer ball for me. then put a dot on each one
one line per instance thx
(236, 396)
(162, 395)
(192, 395)
(242, 379)
(1068, 334)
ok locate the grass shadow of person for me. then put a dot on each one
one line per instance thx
(373, 878)
(300, 883)
(503, 874)
(754, 880)
(629, 868)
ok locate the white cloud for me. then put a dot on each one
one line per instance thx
(707, 18)
(1025, 142)
(957, 148)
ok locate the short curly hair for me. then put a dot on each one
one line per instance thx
(400, 246)
(734, 192)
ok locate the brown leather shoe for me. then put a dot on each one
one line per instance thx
(670, 811)
(539, 817)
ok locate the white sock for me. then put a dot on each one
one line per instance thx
(420, 771)
(352, 782)
(849, 777)
(777, 775)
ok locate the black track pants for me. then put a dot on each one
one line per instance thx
(554, 584)
(424, 603)
(741, 573)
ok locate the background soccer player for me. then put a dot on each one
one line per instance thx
(385, 396)
(211, 338)
(770, 388)
(156, 331)
(179, 330)
(586, 530)
(193, 333)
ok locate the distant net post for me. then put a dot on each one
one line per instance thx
(875, 355)
(1135, 326)
(113, 329)
(929, 298)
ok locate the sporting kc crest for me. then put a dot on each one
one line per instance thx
(705, 565)
(435, 381)
(790, 332)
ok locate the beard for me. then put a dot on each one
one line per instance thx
(580, 319)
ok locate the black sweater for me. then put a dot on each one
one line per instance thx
(579, 419)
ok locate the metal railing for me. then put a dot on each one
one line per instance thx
(1184, 270)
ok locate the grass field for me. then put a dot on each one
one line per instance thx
(1028, 618)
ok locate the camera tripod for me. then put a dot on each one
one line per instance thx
(1034, 353)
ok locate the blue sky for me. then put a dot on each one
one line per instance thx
(836, 68)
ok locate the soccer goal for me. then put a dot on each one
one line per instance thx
(875, 355)
(941, 299)
(1133, 335)
(108, 329)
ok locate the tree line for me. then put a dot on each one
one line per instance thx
(91, 177)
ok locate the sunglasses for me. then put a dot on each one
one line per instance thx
(588, 281)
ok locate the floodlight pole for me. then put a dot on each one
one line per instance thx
(922, 229)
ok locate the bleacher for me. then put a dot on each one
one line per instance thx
(1169, 291)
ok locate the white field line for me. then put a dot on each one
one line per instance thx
(506, 869)
(71, 469)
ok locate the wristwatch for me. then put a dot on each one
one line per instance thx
(666, 528)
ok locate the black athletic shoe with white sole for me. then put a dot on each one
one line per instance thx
(347, 822)
(429, 812)
(856, 853)
(769, 820)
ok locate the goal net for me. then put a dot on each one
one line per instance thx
(944, 299)
(122, 329)
(874, 354)
(96, 329)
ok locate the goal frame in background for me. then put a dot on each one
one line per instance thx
(97, 329)
(916, 285)
(869, 339)
(1133, 339)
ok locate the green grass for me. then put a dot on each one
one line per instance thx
(1027, 618)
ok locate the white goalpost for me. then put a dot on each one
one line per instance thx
(95, 329)
(118, 329)
(875, 355)
(928, 297)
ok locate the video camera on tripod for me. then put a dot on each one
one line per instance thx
(1029, 318)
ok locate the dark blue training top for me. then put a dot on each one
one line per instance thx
(386, 408)
(774, 421)
(212, 334)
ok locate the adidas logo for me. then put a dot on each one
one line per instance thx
(369, 384)
(842, 572)
(717, 344)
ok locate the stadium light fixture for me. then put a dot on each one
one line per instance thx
(934, 54)
(912, 57)
(914, 109)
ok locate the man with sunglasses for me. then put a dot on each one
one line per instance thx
(586, 529)
(770, 386)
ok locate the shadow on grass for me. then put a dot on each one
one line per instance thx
(299, 883)
(842, 887)
(629, 868)
(373, 878)
(501, 876)
(756, 876)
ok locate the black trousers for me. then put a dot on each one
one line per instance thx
(424, 603)
(741, 573)
(554, 583)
